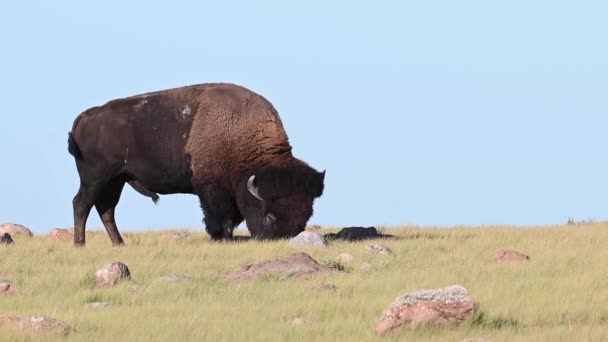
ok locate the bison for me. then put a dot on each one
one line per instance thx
(219, 141)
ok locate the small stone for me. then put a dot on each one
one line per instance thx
(36, 323)
(313, 228)
(378, 249)
(6, 239)
(449, 306)
(136, 288)
(326, 287)
(98, 305)
(58, 234)
(367, 267)
(111, 274)
(298, 321)
(5, 285)
(307, 238)
(6, 289)
(15, 229)
(510, 256)
(179, 235)
(344, 258)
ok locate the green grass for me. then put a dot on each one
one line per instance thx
(561, 294)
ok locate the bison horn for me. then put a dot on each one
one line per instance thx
(252, 188)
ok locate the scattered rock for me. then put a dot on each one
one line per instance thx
(449, 306)
(297, 321)
(98, 305)
(6, 289)
(179, 235)
(174, 278)
(6, 239)
(509, 256)
(313, 228)
(5, 285)
(15, 229)
(326, 287)
(59, 234)
(378, 249)
(300, 265)
(37, 323)
(136, 288)
(111, 274)
(357, 233)
(307, 238)
(344, 258)
(367, 267)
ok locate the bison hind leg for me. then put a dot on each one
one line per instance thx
(82, 203)
(106, 204)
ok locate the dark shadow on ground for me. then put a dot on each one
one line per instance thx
(235, 239)
(345, 234)
(358, 234)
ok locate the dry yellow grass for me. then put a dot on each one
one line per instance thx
(561, 294)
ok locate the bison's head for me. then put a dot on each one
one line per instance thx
(277, 201)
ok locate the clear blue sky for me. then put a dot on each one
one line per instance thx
(426, 112)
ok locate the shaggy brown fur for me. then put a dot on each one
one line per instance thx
(205, 139)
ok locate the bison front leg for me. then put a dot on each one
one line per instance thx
(221, 212)
(217, 229)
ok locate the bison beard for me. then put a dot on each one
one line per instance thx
(221, 142)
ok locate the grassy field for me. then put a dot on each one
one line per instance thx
(560, 295)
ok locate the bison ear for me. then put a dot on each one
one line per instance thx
(322, 176)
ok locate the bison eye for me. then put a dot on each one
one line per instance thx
(269, 219)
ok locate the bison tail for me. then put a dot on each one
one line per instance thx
(73, 147)
(142, 190)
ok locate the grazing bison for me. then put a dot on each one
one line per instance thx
(221, 142)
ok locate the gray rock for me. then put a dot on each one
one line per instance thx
(5, 285)
(449, 306)
(326, 287)
(510, 256)
(297, 321)
(378, 249)
(15, 229)
(307, 238)
(59, 234)
(111, 274)
(367, 267)
(313, 228)
(179, 235)
(98, 305)
(344, 258)
(36, 323)
(452, 293)
(136, 288)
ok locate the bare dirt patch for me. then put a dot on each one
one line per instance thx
(299, 265)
